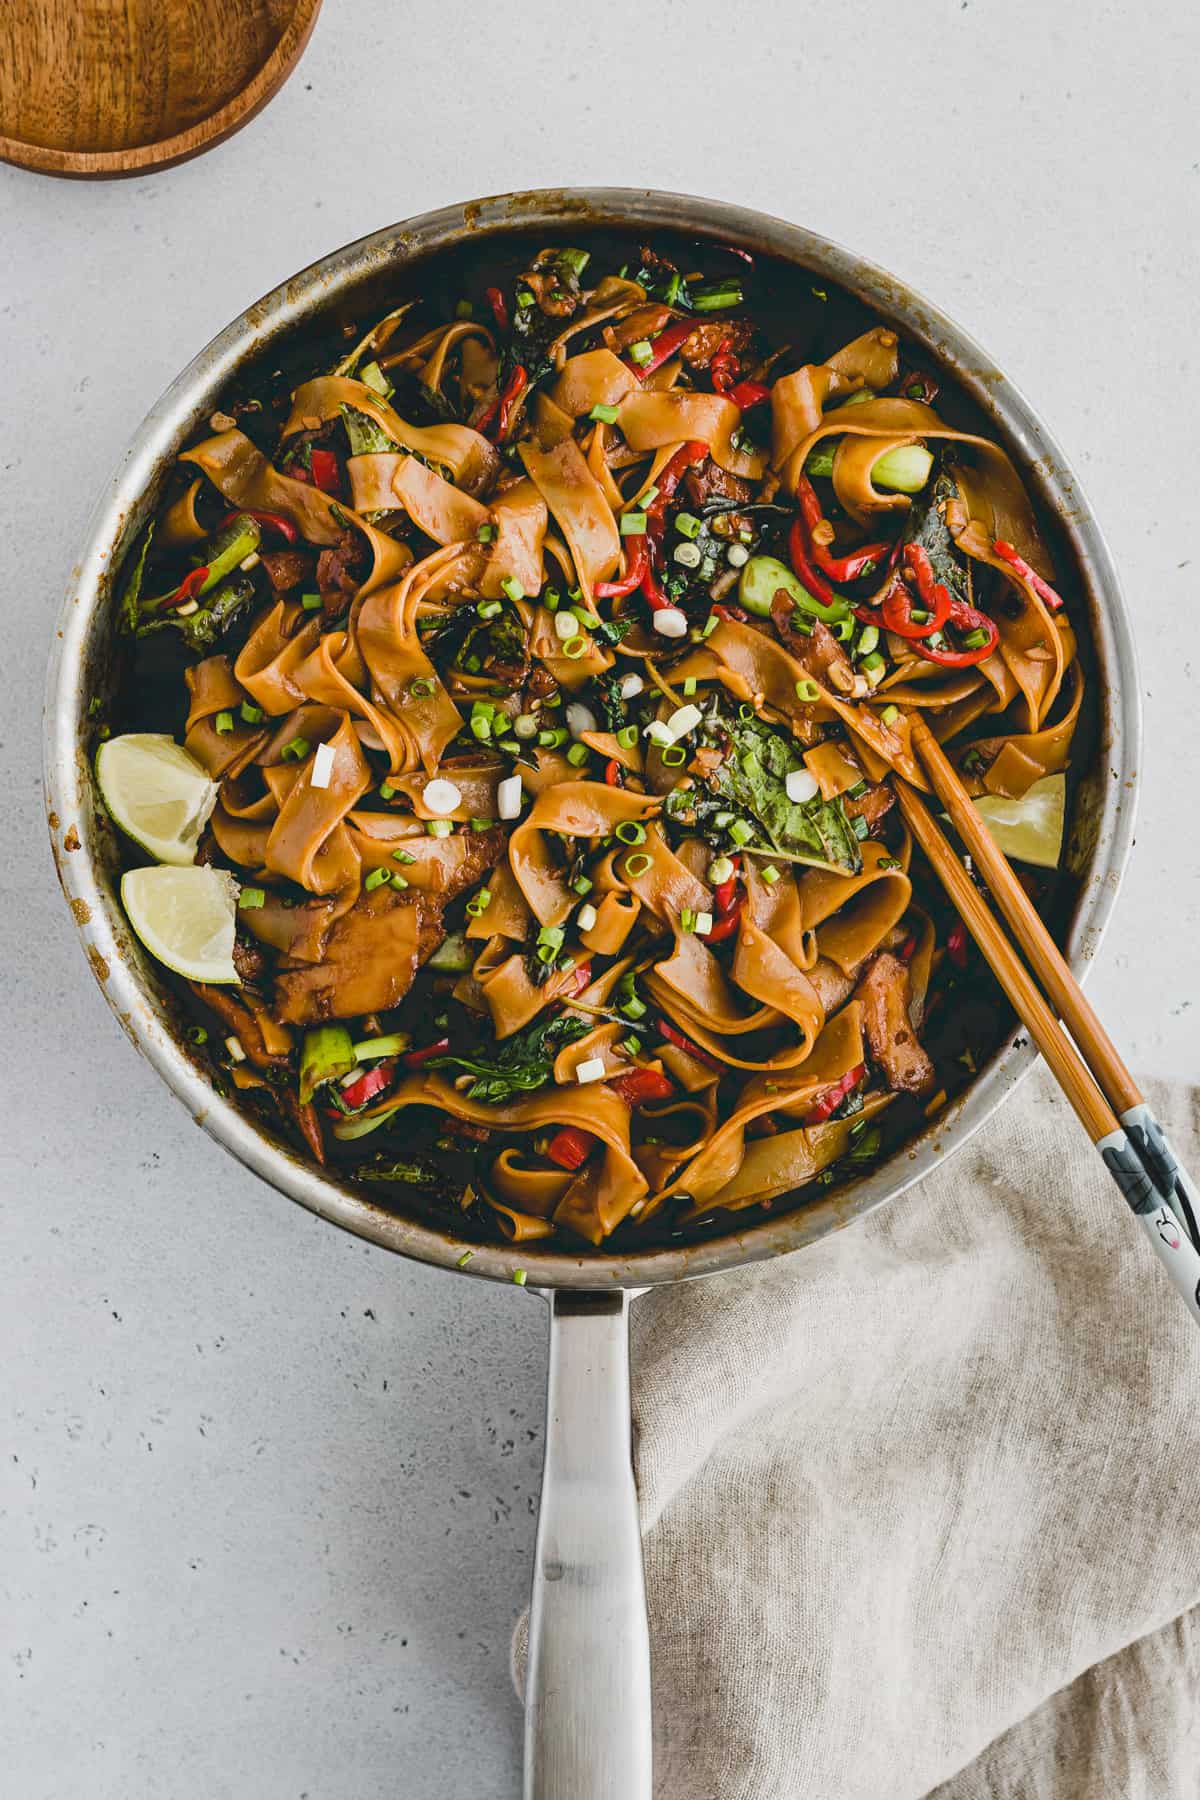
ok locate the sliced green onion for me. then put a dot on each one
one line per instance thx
(398, 880)
(326, 1055)
(673, 755)
(520, 1277)
(485, 534)
(630, 832)
(577, 755)
(403, 856)
(253, 715)
(808, 691)
(632, 1045)
(550, 599)
(688, 524)
(710, 625)
(905, 469)
(872, 663)
(720, 870)
(633, 524)
(511, 744)
(819, 462)
(466, 1256)
(857, 791)
(633, 1008)
(550, 740)
(868, 638)
(740, 832)
(377, 878)
(387, 792)
(577, 260)
(716, 298)
(687, 920)
(603, 415)
(439, 827)
(481, 824)
(481, 727)
(843, 631)
(975, 640)
(251, 897)
(296, 751)
(770, 874)
(420, 688)
(374, 377)
(890, 714)
(489, 609)
(642, 351)
(513, 588)
(197, 1034)
(689, 687)
(627, 736)
(582, 885)
(575, 647)
(638, 865)
(554, 935)
(648, 498)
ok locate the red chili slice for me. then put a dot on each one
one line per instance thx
(662, 347)
(642, 1085)
(1041, 588)
(367, 1086)
(612, 773)
(749, 394)
(833, 1096)
(415, 1058)
(636, 564)
(681, 1042)
(188, 589)
(956, 945)
(570, 1147)
(496, 301)
(326, 471)
(815, 536)
(725, 926)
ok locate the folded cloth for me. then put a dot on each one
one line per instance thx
(918, 1501)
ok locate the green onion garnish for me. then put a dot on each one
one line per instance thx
(710, 625)
(770, 874)
(689, 687)
(868, 638)
(310, 602)
(519, 1277)
(631, 1006)
(582, 885)
(488, 609)
(873, 662)
(550, 740)
(554, 935)
(642, 351)
(251, 897)
(630, 832)
(420, 688)
(603, 415)
(439, 827)
(377, 878)
(974, 640)
(577, 755)
(716, 298)
(638, 865)
(386, 791)
(808, 691)
(740, 832)
(403, 856)
(253, 715)
(860, 827)
(627, 736)
(688, 524)
(648, 498)
(296, 751)
(224, 722)
(633, 524)
(575, 647)
(890, 714)
(512, 589)
(673, 755)
(197, 1034)
(485, 534)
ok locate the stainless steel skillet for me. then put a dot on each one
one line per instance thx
(588, 1711)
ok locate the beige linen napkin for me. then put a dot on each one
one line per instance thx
(920, 1502)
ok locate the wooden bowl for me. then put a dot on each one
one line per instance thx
(120, 87)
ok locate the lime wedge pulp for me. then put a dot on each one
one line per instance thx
(185, 917)
(157, 793)
(1030, 829)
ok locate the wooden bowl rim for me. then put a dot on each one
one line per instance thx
(140, 159)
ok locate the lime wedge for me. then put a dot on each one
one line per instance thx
(185, 918)
(157, 792)
(1030, 829)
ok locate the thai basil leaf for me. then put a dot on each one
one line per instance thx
(925, 524)
(519, 1064)
(754, 777)
(366, 437)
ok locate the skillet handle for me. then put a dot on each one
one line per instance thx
(587, 1699)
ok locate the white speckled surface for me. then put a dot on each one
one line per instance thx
(266, 1495)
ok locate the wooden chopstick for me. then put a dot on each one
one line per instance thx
(1133, 1146)
(1050, 967)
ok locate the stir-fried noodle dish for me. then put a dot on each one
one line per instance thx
(513, 691)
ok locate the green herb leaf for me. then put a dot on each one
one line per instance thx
(522, 1062)
(754, 777)
(132, 594)
(925, 524)
(366, 437)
